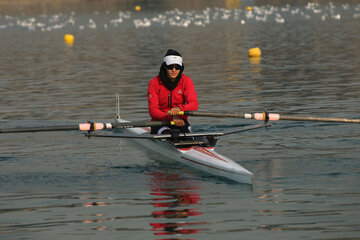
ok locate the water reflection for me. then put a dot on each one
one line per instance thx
(272, 195)
(178, 199)
(255, 65)
(97, 217)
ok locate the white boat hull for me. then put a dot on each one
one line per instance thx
(201, 158)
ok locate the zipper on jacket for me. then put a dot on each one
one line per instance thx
(170, 100)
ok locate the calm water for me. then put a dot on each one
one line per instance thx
(63, 185)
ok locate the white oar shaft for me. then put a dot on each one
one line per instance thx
(87, 126)
(318, 119)
(270, 117)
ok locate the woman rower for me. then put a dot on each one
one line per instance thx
(171, 92)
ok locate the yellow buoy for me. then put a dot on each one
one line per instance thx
(254, 52)
(249, 8)
(137, 8)
(69, 39)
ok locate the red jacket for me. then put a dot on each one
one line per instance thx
(161, 99)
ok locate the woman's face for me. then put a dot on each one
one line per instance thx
(173, 71)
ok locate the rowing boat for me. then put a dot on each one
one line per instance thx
(196, 150)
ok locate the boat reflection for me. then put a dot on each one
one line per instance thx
(179, 197)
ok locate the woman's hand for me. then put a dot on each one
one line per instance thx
(179, 122)
(174, 111)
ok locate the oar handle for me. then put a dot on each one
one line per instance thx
(211, 114)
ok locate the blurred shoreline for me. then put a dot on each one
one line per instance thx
(33, 7)
(15, 7)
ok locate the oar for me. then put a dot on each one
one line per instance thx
(91, 126)
(269, 117)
